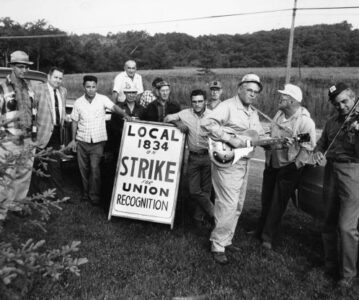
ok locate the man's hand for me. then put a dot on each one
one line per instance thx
(355, 125)
(182, 127)
(236, 142)
(72, 145)
(127, 117)
(319, 158)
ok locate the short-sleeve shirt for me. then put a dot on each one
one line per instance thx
(197, 139)
(120, 83)
(91, 118)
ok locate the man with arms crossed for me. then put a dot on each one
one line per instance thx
(341, 186)
(230, 182)
(89, 136)
(199, 163)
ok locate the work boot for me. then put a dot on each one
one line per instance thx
(346, 282)
(267, 245)
(220, 257)
(232, 248)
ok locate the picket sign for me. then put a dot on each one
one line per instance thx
(148, 172)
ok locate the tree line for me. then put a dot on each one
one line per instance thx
(314, 46)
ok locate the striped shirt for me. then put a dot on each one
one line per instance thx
(91, 120)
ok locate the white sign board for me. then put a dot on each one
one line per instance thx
(148, 172)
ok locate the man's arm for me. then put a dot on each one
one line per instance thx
(114, 96)
(121, 112)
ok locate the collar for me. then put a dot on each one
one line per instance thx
(201, 115)
(241, 106)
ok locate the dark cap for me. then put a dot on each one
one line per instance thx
(161, 84)
(89, 78)
(215, 85)
(156, 80)
(336, 89)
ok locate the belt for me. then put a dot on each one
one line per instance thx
(201, 152)
(345, 160)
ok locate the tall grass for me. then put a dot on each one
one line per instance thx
(313, 81)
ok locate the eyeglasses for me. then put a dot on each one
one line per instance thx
(252, 91)
(25, 67)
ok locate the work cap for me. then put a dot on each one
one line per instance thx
(251, 78)
(292, 90)
(215, 85)
(162, 83)
(336, 89)
(156, 80)
(129, 88)
(20, 57)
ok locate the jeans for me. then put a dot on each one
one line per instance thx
(89, 156)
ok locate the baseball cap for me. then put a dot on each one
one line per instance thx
(336, 89)
(292, 90)
(215, 85)
(251, 78)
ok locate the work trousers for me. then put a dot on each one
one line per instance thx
(16, 185)
(277, 188)
(341, 195)
(89, 156)
(200, 184)
(230, 184)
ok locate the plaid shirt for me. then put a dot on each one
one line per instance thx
(147, 97)
(91, 118)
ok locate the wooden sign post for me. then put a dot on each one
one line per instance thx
(148, 172)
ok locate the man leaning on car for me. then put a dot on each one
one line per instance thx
(18, 117)
(341, 185)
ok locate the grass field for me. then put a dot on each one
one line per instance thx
(313, 81)
(131, 259)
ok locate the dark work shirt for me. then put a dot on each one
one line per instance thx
(344, 145)
(116, 123)
(155, 112)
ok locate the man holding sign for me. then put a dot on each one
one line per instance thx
(234, 115)
(199, 164)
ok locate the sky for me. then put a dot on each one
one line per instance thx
(104, 16)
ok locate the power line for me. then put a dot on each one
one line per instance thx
(9, 37)
(186, 20)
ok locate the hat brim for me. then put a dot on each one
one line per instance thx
(252, 81)
(29, 63)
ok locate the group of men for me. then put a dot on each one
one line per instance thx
(40, 112)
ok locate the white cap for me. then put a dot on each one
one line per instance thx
(129, 88)
(292, 90)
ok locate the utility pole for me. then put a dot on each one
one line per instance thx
(290, 46)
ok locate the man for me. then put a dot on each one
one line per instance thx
(216, 91)
(199, 163)
(18, 119)
(149, 96)
(234, 115)
(51, 104)
(132, 109)
(89, 136)
(157, 110)
(284, 162)
(129, 76)
(341, 185)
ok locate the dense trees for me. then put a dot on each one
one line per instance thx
(318, 45)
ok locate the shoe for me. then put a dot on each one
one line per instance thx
(253, 233)
(267, 245)
(232, 248)
(220, 257)
(346, 282)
